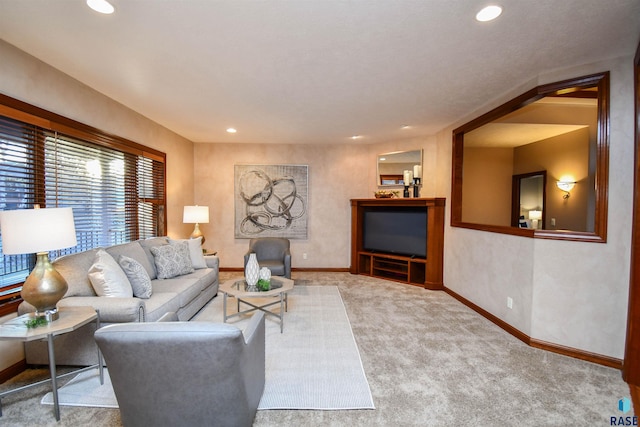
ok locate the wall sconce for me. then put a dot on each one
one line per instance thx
(535, 216)
(566, 186)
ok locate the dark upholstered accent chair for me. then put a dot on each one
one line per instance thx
(185, 373)
(273, 253)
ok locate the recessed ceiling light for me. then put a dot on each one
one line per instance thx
(405, 127)
(101, 6)
(489, 13)
(356, 137)
(231, 130)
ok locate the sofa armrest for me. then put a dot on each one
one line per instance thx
(112, 310)
(212, 261)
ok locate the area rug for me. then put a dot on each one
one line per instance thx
(314, 364)
(85, 390)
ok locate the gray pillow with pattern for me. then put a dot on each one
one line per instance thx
(172, 260)
(137, 275)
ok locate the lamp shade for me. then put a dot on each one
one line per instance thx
(26, 231)
(565, 185)
(195, 215)
(535, 215)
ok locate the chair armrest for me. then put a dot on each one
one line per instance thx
(212, 261)
(255, 324)
(112, 310)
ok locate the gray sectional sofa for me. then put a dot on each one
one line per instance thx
(184, 294)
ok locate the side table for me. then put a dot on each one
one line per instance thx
(71, 318)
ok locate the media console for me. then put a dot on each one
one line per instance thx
(406, 268)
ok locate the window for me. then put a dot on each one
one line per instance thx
(115, 187)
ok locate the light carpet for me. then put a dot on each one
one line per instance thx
(314, 364)
(85, 390)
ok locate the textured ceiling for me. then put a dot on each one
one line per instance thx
(314, 71)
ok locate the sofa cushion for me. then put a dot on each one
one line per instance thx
(135, 251)
(107, 278)
(172, 260)
(203, 277)
(137, 275)
(195, 251)
(74, 268)
(159, 304)
(149, 243)
(186, 289)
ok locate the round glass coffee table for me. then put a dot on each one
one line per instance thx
(262, 299)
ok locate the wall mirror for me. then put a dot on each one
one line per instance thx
(537, 166)
(392, 165)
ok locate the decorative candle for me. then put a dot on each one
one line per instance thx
(417, 171)
(405, 178)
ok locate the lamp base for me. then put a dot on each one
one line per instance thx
(44, 288)
(197, 233)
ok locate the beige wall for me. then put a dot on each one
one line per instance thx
(337, 173)
(487, 186)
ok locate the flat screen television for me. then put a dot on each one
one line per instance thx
(396, 230)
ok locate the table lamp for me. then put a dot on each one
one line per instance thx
(39, 231)
(535, 216)
(196, 215)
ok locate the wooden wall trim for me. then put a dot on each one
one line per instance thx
(611, 362)
(12, 371)
(631, 371)
(554, 348)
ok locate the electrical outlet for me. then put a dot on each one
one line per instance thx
(509, 302)
(553, 222)
(304, 255)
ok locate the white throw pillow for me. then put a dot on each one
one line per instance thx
(107, 278)
(195, 251)
(172, 260)
(137, 275)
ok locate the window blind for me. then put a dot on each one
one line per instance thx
(116, 190)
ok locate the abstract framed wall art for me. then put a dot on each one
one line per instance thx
(271, 201)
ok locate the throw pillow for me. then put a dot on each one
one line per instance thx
(172, 260)
(107, 278)
(195, 251)
(137, 275)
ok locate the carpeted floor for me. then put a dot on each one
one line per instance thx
(429, 360)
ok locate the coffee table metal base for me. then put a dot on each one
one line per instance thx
(263, 307)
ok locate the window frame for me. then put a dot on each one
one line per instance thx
(32, 115)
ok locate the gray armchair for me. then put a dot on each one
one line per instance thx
(185, 373)
(273, 253)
